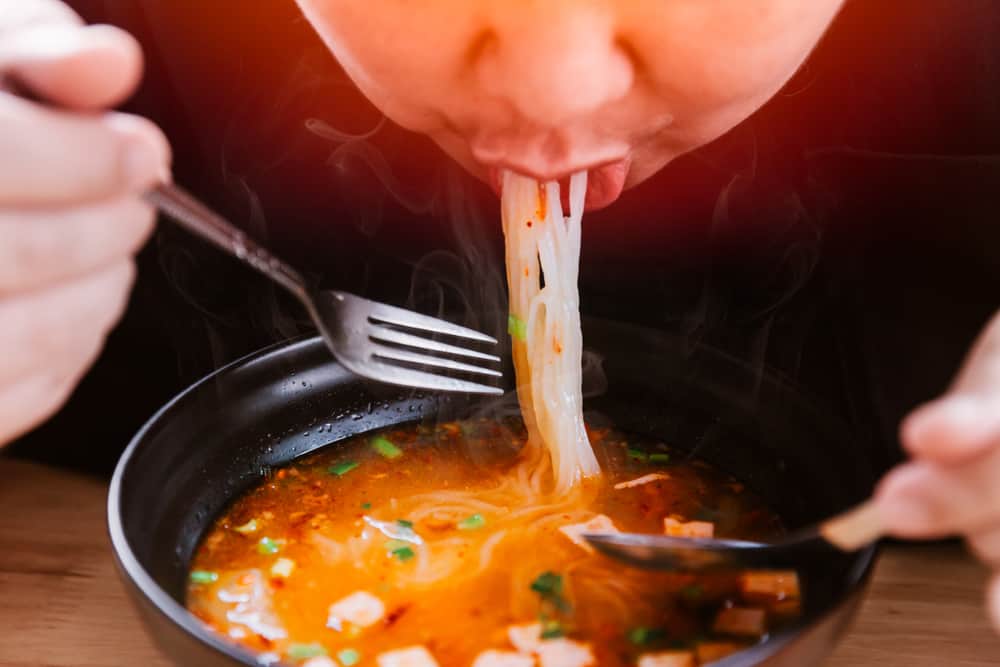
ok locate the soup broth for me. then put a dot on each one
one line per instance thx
(442, 540)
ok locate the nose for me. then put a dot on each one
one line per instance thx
(552, 60)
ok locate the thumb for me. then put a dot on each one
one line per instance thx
(72, 66)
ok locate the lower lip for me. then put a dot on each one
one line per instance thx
(604, 185)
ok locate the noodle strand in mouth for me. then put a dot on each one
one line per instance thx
(543, 256)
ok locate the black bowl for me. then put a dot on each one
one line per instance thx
(225, 433)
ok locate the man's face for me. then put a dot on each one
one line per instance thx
(549, 87)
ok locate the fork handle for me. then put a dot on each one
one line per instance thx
(192, 215)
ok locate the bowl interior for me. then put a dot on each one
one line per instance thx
(224, 434)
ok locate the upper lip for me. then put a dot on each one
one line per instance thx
(546, 173)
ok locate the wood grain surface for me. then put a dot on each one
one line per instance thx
(61, 604)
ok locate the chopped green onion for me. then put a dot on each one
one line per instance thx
(472, 522)
(342, 469)
(366, 506)
(659, 458)
(304, 651)
(268, 547)
(692, 592)
(640, 636)
(247, 528)
(386, 448)
(393, 545)
(404, 523)
(547, 583)
(203, 577)
(552, 630)
(637, 454)
(348, 657)
(403, 554)
(517, 327)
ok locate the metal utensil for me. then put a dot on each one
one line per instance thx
(846, 532)
(367, 337)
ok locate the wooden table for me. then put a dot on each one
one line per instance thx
(61, 604)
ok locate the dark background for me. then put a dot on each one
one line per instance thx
(847, 236)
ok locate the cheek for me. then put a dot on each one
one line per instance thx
(404, 58)
(717, 57)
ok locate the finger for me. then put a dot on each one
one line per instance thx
(28, 403)
(985, 544)
(966, 422)
(954, 429)
(44, 247)
(53, 157)
(79, 67)
(54, 327)
(925, 500)
(993, 601)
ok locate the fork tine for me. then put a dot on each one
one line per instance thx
(428, 360)
(385, 372)
(408, 318)
(391, 336)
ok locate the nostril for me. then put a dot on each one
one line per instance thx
(483, 42)
(627, 48)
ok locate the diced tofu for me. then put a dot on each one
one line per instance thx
(667, 659)
(741, 621)
(769, 586)
(675, 528)
(503, 659)
(361, 609)
(712, 651)
(785, 609)
(414, 656)
(599, 524)
(283, 568)
(319, 661)
(525, 638)
(639, 481)
(564, 653)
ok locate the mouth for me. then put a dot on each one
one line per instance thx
(605, 182)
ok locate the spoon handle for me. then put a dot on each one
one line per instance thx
(854, 528)
(195, 217)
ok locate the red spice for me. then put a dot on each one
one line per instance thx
(528, 223)
(394, 615)
(556, 345)
(543, 204)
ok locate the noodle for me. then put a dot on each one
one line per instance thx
(543, 250)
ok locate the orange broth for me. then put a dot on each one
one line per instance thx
(435, 522)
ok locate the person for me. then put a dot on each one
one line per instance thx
(544, 88)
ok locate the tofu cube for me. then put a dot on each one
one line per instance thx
(525, 638)
(674, 528)
(414, 656)
(503, 659)
(361, 609)
(319, 661)
(599, 524)
(741, 622)
(770, 586)
(564, 653)
(667, 659)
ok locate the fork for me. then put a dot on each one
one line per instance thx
(367, 337)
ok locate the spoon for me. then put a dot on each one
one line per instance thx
(844, 533)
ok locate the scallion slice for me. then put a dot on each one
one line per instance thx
(203, 577)
(343, 468)
(348, 657)
(472, 522)
(268, 547)
(386, 448)
(517, 327)
(305, 651)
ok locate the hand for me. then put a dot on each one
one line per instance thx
(70, 214)
(953, 484)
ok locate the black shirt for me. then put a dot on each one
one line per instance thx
(847, 235)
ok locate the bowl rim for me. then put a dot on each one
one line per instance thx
(127, 560)
(184, 620)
